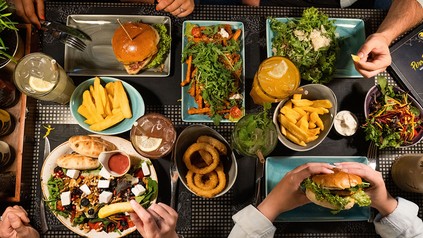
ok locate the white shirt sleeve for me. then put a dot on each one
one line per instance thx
(250, 222)
(402, 222)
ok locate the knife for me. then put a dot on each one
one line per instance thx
(59, 27)
(259, 176)
(43, 219)
(174, 175)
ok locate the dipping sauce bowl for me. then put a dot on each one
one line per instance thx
(116, 162)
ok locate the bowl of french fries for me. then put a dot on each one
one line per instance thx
(303, 120)
(106, 105)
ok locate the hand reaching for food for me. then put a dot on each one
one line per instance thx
(178, 8)
(159, 220)
(15, 223)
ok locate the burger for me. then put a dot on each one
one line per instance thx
(140, 45)
(337, 191)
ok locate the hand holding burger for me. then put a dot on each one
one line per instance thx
(287, 194)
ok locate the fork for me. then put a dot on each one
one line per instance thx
(69, 40)
(174, 175)
(372, 155)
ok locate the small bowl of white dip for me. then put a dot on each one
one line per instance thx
(345, 123)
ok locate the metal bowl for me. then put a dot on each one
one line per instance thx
(189, 136)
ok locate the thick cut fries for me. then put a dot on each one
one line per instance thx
(300, 121)
(104, 107)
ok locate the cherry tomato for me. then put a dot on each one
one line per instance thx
(95, 226)
(139, 174)
(235, 112)
(196, 32)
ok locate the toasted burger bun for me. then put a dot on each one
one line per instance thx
(337, 181)
(136, 50)
(312, 197)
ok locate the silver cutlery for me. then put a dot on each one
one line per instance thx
(67, 35)
(43, 219)
(372, 154)
(259, 176)
(174, 175)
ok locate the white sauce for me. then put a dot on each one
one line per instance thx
(345, 123)
(318, 40)
(223, 33)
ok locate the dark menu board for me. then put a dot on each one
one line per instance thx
(407, 63)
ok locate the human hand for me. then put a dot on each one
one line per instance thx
(178, 8)
(15, 223)
(374, 56)
(287, 194)
(31, 11)
(159, 220)
(381, 199)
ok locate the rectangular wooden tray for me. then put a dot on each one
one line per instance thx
(18, 111)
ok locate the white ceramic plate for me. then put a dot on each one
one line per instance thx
(64, 148)
(98, 58)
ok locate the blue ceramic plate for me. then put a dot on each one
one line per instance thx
(278, 166)
(351, 37)
(135, 100)
(187, 100)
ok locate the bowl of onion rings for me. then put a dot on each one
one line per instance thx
(205, 161)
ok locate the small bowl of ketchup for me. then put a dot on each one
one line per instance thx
(116, 162)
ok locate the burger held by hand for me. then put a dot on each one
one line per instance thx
(337, 191)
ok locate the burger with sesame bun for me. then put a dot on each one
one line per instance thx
(337, 191)
(139, 45)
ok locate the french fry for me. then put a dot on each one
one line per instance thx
(302, 102)
(322, 103)
(97, 97)
(123, 100)
(283, 130)
(89, 104)
(107, 122)
(295, 130)
(316, 119)
(299, 110)
(188, 75)
(297, 96)
(294, 139)
(291, 113)
(318, 110)
(109, 88)
(237, 34)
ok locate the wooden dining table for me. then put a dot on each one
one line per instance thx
(200, 217)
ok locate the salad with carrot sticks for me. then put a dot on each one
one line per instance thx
(393, 120)
(214, 70)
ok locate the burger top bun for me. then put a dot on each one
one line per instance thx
(141, 45)
(338, 180)
(324, 203)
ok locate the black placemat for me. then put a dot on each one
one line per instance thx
(200, 217)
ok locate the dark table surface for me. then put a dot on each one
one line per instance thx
(200, 217)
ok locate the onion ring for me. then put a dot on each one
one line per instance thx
(214, 142)
(206, 156)
(206, 181)
(208, 193)
(201, 146)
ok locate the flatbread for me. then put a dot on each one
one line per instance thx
(90, 145)
(77, 161)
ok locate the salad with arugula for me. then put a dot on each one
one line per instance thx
(309, 42)
(393, 120)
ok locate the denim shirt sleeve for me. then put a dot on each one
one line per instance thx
(250, 222)
(402, 222)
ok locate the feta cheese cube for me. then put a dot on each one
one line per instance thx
(105, 197)
(104, 173)
(103, 183)
(65, 197)
(85, 189)
(138, 190)
(72, 173)
(145, 169)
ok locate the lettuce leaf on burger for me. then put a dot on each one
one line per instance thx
(139, 45)
(337, 191)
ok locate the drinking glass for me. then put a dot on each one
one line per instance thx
(39, 76)
(252, 138)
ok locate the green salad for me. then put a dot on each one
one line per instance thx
(309, 42)
(164, 46)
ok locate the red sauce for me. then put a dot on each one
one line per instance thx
(118, 163)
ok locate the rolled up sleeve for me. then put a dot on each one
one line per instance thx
(250, 222)
(402, 222)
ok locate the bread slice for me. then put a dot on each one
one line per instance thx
(90, 146)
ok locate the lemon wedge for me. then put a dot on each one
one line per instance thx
(40, 85)
(148, 144)
(279, 70)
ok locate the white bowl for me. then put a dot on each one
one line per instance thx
(314, 92)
